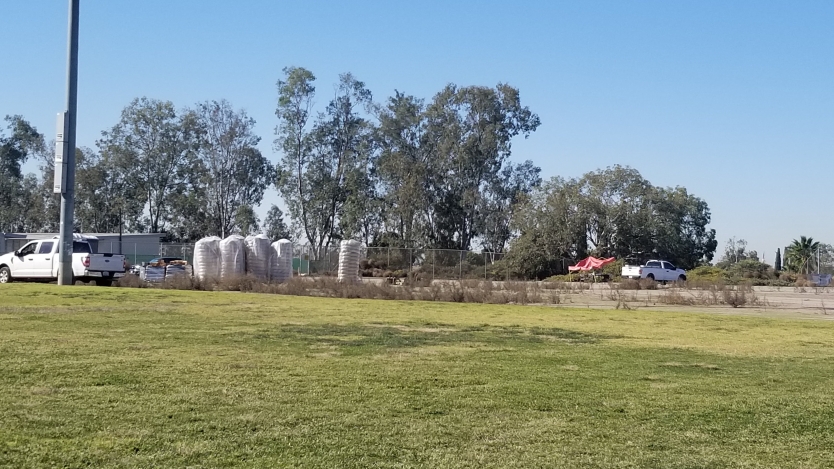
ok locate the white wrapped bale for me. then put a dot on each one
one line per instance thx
(257, 256)
(349, 252)
(280, 261)
(232, 257)
(207, 258)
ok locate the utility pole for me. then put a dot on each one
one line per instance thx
(66, 184)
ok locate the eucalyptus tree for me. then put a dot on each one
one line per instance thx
(293, 139)
(324, 174)
(616, 206)
(233, 172)
(155, 147)
(470, 131)
(343, 150)
(92, 210)
(403, 169)
(274, 226)
(679, 228)
(551, 229)
(246, 221)
(106, 199)
(50, 201)
(21, 200)
(501, 200)
(735, 251)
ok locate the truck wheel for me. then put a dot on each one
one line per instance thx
(104, 283)
(5, 275)
(682, 278)
(650, 277)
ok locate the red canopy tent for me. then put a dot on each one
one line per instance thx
(590, 263)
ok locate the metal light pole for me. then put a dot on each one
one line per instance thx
(67, 189)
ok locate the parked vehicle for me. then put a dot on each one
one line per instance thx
(38, 260)
(163, 260)
(155, 262)
(660, 271)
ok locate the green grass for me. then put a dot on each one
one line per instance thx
(96, 377)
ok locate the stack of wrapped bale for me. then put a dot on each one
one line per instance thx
(349, 253)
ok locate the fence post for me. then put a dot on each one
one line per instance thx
(460, 266)
(485, 266)
(388, 263)
(433, 260)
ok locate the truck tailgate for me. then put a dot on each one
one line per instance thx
(106, 263)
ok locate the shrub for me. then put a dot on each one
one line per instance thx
(634, 284)
(563, 278)
(629, 284)
(418, 279)
(131, 281)
(179, 282)
(735, 298)
(750, 269)
(676, 297)
(614, 269)
(803, 282)
(706, 273)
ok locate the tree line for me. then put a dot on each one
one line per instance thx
(802, 256)
(404, 172)
(613, 212)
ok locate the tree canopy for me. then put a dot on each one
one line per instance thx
(403, 172)
(613, 212)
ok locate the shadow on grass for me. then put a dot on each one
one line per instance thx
(359, 339)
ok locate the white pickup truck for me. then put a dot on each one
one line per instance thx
(660, 271)
(38, 260)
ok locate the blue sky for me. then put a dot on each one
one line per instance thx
(732, 100)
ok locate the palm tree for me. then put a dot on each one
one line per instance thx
(799, 256)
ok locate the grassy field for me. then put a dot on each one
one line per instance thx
(96, 377)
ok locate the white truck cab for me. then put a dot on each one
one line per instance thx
(38, 260)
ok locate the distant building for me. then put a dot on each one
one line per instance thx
(137, 247)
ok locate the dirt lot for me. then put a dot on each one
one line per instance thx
(805, 302)
(797, 302)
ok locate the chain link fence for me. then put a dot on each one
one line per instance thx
(377, 262)
(137, 253)
(428, 264)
